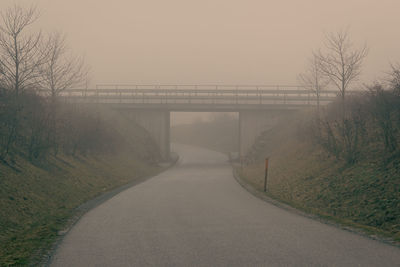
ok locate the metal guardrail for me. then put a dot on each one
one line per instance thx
(197, 94)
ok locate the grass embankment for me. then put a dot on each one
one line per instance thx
(365, 194)
(38, 199)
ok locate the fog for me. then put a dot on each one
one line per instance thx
(231, 113)
(216, 41)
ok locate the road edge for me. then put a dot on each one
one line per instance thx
(84, 208)
(261, 195)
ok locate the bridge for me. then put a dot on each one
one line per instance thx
(150, 105)
(200, 97)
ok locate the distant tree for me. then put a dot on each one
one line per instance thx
(61, 70)
(394, 87)
(19, 53)
(383, 105)
(340, 62)
(313, 79)
(19, 62)
(394, 78)
(35, 124)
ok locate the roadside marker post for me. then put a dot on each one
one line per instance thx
(266, 174)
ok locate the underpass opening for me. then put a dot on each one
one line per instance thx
(218, 131)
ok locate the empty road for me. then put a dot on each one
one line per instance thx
(195, 214)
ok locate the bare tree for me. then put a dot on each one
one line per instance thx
(61, 70)
(19, 54)
(394, 78)
(341, 63)
(313, 79)
(383, 106)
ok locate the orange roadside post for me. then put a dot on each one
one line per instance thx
(266, 174)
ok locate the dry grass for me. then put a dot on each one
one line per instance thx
(37, 202)
(365, 194)
(38, 199)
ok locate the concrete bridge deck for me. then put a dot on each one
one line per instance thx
(200, 97)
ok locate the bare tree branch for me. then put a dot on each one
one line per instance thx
(393, 78)
(313, 78)
(62, 70)
(341, 63)
(19, 53)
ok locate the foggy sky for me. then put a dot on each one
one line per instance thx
(216, 41)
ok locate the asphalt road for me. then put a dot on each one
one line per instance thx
(195, 214)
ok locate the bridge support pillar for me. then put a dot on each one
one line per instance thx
(251, 125)
(157, 123)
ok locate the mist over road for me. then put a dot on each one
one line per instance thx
(195, 214)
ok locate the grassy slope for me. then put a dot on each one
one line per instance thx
(37, 200)
(36, 203)
(366, 194)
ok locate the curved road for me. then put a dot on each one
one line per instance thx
(195, 214)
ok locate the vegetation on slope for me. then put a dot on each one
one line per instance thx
(346, 169)
(38, 198)
(54, 156)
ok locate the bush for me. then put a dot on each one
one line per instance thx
(369, 117)
(33, 126)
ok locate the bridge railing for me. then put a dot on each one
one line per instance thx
(198, 94)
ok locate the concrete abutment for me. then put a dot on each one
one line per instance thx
(157, 124)
(251, 125)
